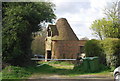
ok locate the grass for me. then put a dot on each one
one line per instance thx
(13, 72)
(66, 68)
(53, 68)
(61, 63)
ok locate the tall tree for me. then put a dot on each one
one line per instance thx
(96, 27)
(109, 26)
(20, 19)
(112, 12)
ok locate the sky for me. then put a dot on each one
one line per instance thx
(81, 13)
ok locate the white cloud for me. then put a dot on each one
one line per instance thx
(80, 14)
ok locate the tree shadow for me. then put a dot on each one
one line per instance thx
(47, 69)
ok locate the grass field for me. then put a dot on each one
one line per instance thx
(53, 68)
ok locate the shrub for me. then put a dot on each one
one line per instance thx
(93, 48)
(108, 50)
(111, 47)
(81, 69)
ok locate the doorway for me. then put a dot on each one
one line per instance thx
(49, 54)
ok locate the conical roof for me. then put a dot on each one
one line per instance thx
(65, 32)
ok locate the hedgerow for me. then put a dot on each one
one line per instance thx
(108, 51)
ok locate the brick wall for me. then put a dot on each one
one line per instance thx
(66, 49)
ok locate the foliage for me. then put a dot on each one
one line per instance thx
(112, 12)
(93, 48)
(14, 72)
(96, 27)
(111, 47)
(104, 29)
(20, 19)
(38, 44)
(108, 50)
(82, 69)
(109, 26)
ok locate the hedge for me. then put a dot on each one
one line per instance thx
(93, 48)
(108, 50)
(111, 47)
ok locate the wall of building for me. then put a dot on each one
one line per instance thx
(62, 49)
(48, 43)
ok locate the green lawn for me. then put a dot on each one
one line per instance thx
(53, 68)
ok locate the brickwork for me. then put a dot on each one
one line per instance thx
(66, 49)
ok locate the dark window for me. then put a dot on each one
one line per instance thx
(49, 32)
(81, 49)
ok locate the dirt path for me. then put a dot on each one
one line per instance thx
(70, 80)
(70, 77)
(75, 78)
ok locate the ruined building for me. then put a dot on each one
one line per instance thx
(61, 41)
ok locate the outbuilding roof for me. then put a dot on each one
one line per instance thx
(62, 30)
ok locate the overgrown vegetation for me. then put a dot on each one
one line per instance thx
(107, 50)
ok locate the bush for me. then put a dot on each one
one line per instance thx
(93, 48)
(111, 47)
(108, 50)
(82, 69)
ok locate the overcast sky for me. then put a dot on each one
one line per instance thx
(81, 13)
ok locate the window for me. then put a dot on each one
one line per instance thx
(49, 32)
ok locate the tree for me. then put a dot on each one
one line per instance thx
(109, 26)
(20, 19)
(38, 44)
(96, 27)
(104, 28)
(112, 12)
